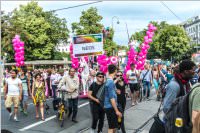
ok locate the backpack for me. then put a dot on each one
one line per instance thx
(101, 95)
(177, 117)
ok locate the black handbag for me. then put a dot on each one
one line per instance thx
(158, 125)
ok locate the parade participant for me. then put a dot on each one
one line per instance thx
(13, 93)
(48, 84)
(173, 89)
(146, 79)
(132, 76)
(194, 107)
(38, 93)
(110, 103)
(54, 82)
(156, 81)
(121, 97)
(26, 92)
(72, 85)
(30, 78)
(97, 111)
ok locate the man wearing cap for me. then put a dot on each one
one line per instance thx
(97, 111)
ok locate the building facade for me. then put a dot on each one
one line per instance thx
(63, 47)
(192, 27)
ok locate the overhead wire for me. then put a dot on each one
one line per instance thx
(74, 6)
(171, 11)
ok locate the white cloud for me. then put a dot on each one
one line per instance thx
(137, 14)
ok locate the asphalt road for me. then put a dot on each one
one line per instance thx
(29, 124)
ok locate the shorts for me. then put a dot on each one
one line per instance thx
(112, 118)
(134, 87)
(12, 100)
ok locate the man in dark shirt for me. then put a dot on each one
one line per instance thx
(96, 110)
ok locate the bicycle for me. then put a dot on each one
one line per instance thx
(61, 107)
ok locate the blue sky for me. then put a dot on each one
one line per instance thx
(136, 14)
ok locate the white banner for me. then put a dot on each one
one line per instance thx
(88, 45)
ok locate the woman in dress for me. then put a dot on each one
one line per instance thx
(38, 93)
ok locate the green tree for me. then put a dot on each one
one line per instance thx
(169, 41)
(90, 23)
(41, 31)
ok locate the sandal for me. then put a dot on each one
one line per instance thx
(43, 119)
(37, 117)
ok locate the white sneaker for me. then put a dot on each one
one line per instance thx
(10, 115)
(92, 130)
(133, 104)
(15, 119)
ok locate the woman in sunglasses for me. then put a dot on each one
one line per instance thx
(121, 97)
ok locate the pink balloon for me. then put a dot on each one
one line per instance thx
(146, 42)
(150, 41)
(150, 25)
(17, 64)
(22, 58)
(146, 37)
(21, 63)
(21, 44)
(148, 32)
(150, 36)
(17, 36)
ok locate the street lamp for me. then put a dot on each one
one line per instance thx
(113, 19)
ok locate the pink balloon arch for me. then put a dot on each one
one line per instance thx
(139, 58)
(18, 47)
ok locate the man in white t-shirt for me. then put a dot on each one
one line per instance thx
(54, 82)
(132, 76)
(13, 93)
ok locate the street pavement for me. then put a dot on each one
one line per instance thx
(134, 117)
(138, 119)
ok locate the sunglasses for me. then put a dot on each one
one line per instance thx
(100, 76)
(119, 75)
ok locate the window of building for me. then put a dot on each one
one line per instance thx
(66, 49)
(62, 50)
(58, 49)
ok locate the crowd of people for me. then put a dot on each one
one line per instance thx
(169, 82)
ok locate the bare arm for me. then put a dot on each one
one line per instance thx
(114, 105)
(194, 115)
(91, 97)
(33, 89)
(20, 89)
(29, 88)
(5, 90)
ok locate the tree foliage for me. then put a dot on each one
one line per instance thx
(90, 23)
(169, 41)
(41, 31)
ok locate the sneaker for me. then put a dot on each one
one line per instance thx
(25, 113)
(10, 115)
(92, 131)
(15, 119)
(21, 110)
(133, 104)
(148, 99)
(74, 120)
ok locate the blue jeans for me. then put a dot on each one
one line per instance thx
(54, 87)
(146, 87)
(73, 107)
